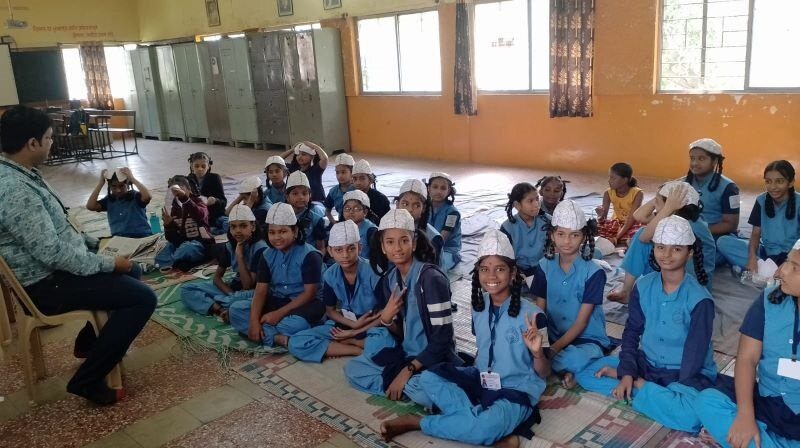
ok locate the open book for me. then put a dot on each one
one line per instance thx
(127, 247)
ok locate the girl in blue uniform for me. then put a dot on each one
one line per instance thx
(251, 194)
(568, 285)
(126, 207)
(497, 397)
(527, 229)
(719, 194)
(673, 198)
(276, 172)
(357, 209)
(666, 356)
(445, 217)
(414, 297)
(343, 163)
(311, 160)
(242, 253)
(766, 413)
(552, 189)
(364, 180)
(310, 218)
(286, 300)
(413, 197)
(775, 219)
(349, 297)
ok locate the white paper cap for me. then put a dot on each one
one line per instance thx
(605, 246)
(436, 174)
(397, 219)
(414, 185)
(674, 231)
(281, 214)
(344, 159)
(568, 215)
(357, 195)
(297, 178)
(495, 242)
(120, 177)
(707, 144)
(362, 167)
(275, 160)
(343, 233)
(241, 212)
(796, 245)
(249, 184)
(302, 147)
(692, 196)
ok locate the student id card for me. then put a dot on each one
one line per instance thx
(545, 338)
(788, 368)
(529, 281)
(349, 315)
(490, 380)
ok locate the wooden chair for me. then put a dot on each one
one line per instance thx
(29, 319)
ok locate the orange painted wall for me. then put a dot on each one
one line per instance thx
(631, 122)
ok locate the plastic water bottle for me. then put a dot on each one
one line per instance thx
(155, 224)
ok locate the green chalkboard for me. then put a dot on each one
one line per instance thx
(40, 76)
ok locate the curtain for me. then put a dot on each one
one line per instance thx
(98, 88)
(571, 53)
(465, 97)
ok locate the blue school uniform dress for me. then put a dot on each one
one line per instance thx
(276, 195)
(365, 231)
(200, 296)
(436, 240)
(776, 398)
(426, 322)
(667, 342)
(565, 292)
(778, 234)
(335, 199)
(528, 242)
(312, 221)
(637, 258)
(127, 216)
(471, 413)
(359, 298)
(447, 218)
(724, 200)
(286, 273)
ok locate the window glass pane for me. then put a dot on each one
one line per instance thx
(501, 45)
(377, 43)
(119, 73)
(420, 64)
(776, 31)
(76, 80)
(540, 44)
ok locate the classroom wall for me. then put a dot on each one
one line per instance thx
(631, 123)
(52, 22)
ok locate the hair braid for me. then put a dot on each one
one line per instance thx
(699, 272)
(516, 292)
(478, 304)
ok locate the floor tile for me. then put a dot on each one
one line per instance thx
(248, 388)
(340, 440)
(115, 440)
(216, 403)
(161, 428)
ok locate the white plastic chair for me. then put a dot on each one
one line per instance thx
(29, 319)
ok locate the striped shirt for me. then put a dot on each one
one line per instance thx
(36, 238)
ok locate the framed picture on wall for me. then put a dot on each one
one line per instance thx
(212, 12)
(285, 8)
(331, 4)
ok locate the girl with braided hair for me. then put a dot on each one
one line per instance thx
(568, 285)
(775, 219)
(667, 356)
(720, 194)
(552, 189)
(413, 197)
(527, 228)
(497, 397)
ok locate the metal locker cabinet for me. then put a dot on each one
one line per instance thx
(173, 112)
(268, 87)
(301, 88)
(330, 89)
(151, 97)
(239, 90)
(219, 129)
(135, 68)
(190, 85)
